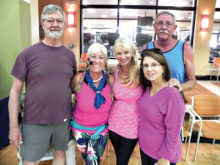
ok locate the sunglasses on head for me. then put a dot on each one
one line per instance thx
(155, 50)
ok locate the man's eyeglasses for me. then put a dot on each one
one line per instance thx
(59, 21)
(167, 24)
(152, 66)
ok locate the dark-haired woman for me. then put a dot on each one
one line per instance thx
(161, 111)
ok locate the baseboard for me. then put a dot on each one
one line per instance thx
(202, 139)
(205, 77)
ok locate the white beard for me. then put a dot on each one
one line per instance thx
(54, 35)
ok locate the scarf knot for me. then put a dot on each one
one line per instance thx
(99, 99)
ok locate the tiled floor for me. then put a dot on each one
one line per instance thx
(202, 88)
(211, 85)
(217, 84)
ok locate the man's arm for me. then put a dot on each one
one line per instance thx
(190, 71)
(14, 104)
(144, 47)
(189, 67)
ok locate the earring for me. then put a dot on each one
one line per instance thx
(163, 74)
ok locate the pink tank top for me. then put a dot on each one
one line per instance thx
(124, 118)
(85, 112)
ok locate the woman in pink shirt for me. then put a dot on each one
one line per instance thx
(161, 111)
(93, 101)
(124, 118)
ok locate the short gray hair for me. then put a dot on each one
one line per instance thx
(97, 48)
(166, 13)
(51, 9)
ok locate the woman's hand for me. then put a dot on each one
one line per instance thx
(162, 161)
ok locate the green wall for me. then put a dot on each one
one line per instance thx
(15, 32)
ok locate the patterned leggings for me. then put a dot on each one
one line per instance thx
(91, 148)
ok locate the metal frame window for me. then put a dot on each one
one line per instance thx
(117, 7)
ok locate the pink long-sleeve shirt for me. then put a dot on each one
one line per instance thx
(161, 119)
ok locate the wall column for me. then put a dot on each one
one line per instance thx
(72, 35)
(202, 39)
(34, 21)
(15, 36)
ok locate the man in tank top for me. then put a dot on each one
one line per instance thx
(178, 54)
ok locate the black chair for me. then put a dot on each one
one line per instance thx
(86, 38)
(104, 38)
(4, 123)
(111, 38)
(142, 39)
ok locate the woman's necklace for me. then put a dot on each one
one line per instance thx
(94, 81)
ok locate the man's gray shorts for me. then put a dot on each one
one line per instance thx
(38, 137)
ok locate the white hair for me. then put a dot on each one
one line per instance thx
(97, 48)
(51, 9)
(166, 13)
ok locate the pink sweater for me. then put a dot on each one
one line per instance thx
(124, 117)
(161, 119)
(85, 112)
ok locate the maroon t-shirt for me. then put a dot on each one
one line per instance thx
(47, 72)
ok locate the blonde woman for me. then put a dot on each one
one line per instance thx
(123, 117)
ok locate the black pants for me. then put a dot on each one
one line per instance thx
(123, 147)
(147, 160)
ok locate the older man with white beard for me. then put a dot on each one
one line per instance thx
(178, 54)
(46, 68)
